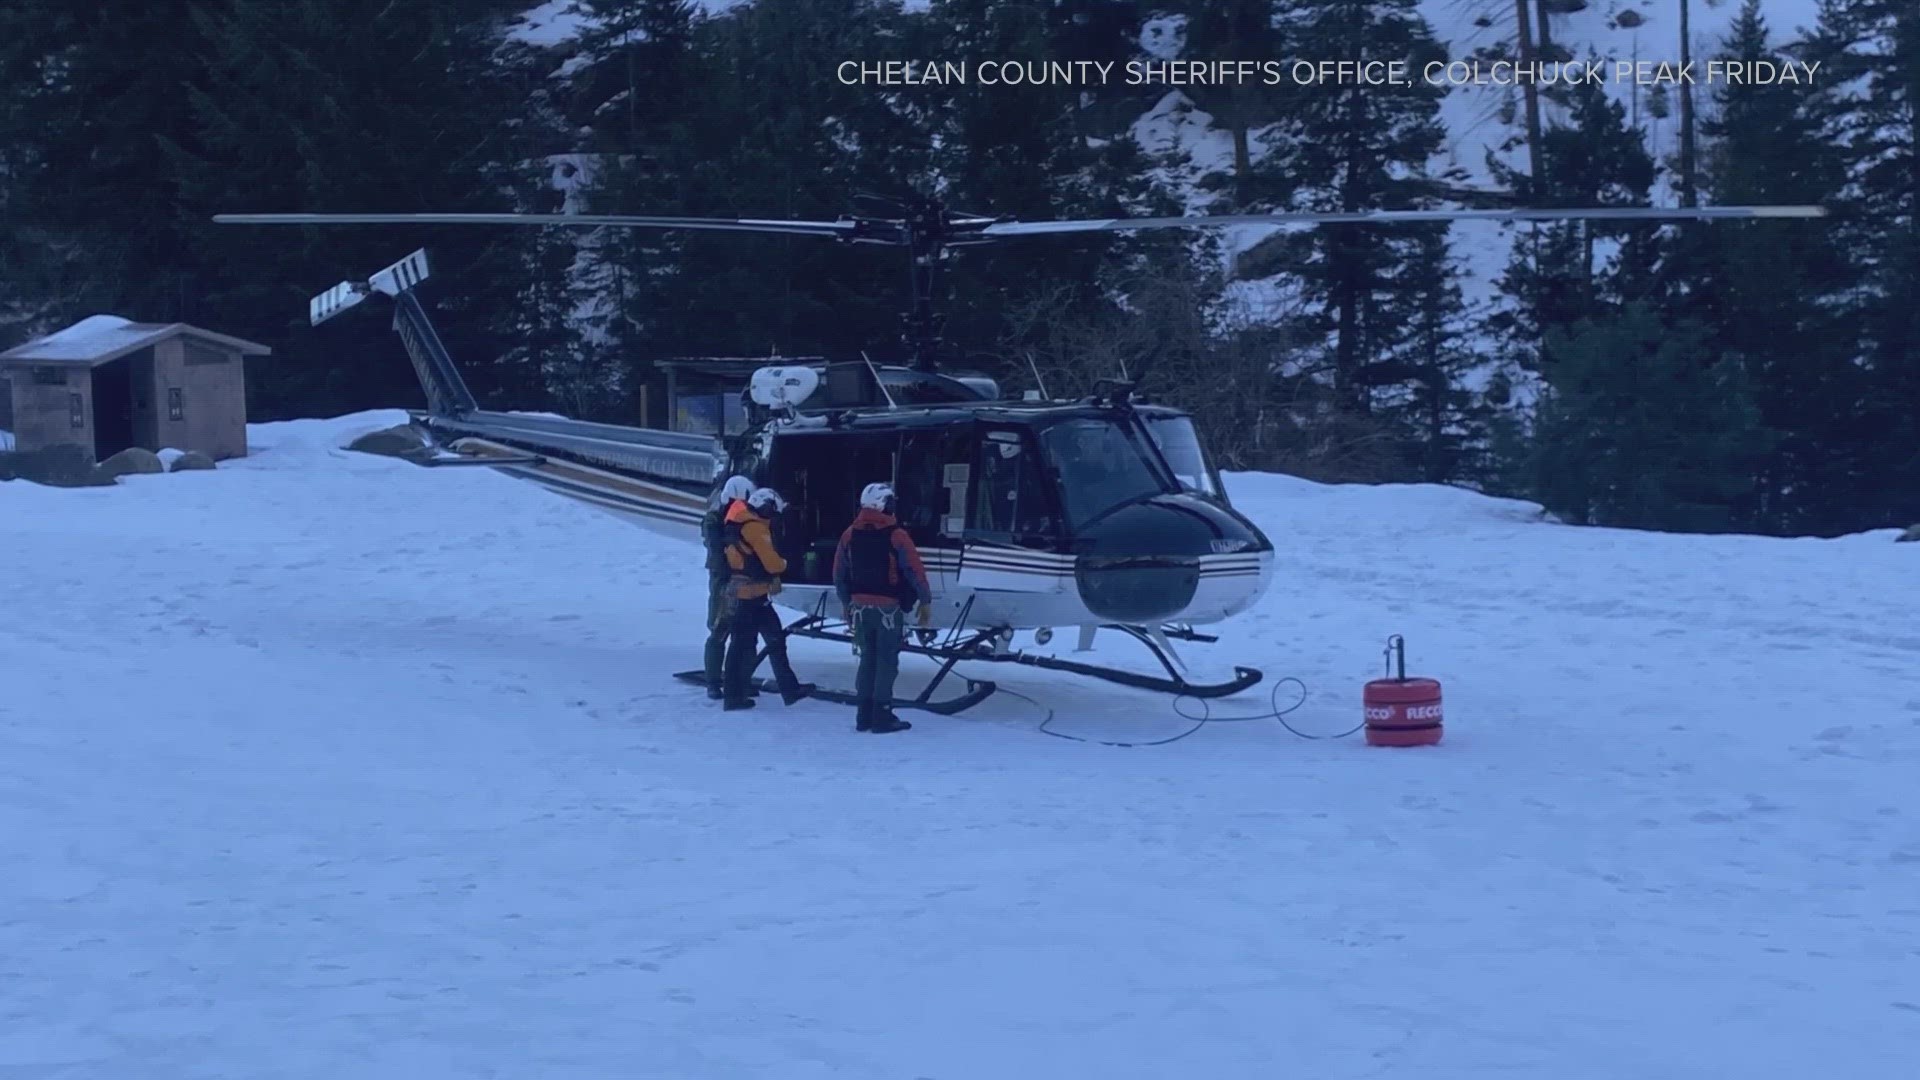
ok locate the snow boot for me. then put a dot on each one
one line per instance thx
(792, 694)
(863, 717)
(714, 693)
(884, 722)
(736, 704)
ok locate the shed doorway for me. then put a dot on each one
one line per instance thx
(113, 407)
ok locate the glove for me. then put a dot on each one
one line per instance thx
(773, 587)
(925, 613)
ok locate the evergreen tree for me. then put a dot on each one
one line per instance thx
(632, 100)
(354, 105)
(1360, 148)
(1870, 51)
(1555, 280)
(1637, 432)
(737, 115)
(546, 341)
(1239, 30)
(1447, 421)
(95, 97)
(1771, 293)
(1039, 152)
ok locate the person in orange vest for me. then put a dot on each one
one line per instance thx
(756, 567)
(878, 575)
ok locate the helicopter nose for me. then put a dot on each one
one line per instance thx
(1123, 589)
(1142, 563)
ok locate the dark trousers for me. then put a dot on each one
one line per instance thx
(755, 619)
(877, 633)
(719, 627)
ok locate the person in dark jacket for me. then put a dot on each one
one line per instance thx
(713, 532)
(756, 566)
(879, 577)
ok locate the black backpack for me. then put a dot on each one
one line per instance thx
(751, 567)
(871, 565)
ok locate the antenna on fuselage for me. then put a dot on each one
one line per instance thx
(891, 404)
(1037, 380)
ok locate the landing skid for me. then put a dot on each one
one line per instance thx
(989, 646)
(1175, 681)
(977, 692)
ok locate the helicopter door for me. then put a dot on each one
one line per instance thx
(1012, 538)
(931, 479)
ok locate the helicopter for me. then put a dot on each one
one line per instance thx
(1030, 513)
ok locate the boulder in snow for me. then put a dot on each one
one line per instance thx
(401, 442)
(190, 461)
(133, 460)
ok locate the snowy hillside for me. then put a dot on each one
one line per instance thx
(325, 765)
(1650, 31)
(1480, 119)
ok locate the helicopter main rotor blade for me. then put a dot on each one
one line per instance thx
(1208, 221)
(807, 228)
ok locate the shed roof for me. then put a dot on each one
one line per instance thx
(97, 339)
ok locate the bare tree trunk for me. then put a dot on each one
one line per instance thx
(1586, 264)
(1689, 195)
(1906, 36)
(1633, 118)
(1344, 259)
(1524, 31)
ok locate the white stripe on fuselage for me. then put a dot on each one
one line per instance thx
(977, 570)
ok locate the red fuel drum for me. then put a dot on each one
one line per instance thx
(1403, 712)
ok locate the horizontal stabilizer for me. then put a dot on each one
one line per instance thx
(489, 462)
(402, 275)
(334, 301)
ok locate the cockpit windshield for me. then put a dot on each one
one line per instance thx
(1180, 443)
(1101, 465)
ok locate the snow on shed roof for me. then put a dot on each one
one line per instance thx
(97, 339)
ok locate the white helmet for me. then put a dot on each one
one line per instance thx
(736, 487)
(763, 496)
(875, 496)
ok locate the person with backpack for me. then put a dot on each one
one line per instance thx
(713, 533)
(755, 566)
(878, 575)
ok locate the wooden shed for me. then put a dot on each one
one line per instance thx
(106, 384)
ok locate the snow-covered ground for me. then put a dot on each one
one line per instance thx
(324, 765)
